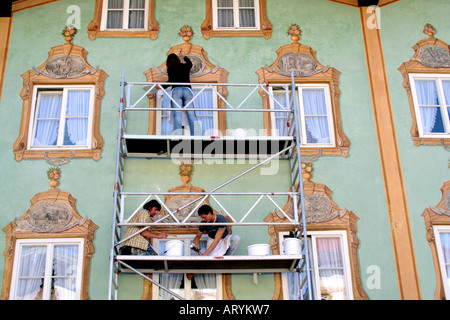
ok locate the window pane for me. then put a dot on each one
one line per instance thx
(225, 3)
(77, 117)
(427, 93)
(204, 101)
(137, 4)
(316, 117)
(331, 268)
(281, 117)
(65, 265)
(115, 4)
(225, 18)
(429, 106)
(136, 19)
(114, 20)
(48, 116)
(31, 273)
(446, 87)
(247, 18)
(247, 3)
(445, 243)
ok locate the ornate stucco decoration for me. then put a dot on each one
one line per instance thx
(66, 65)
(52, 214)
(203, 71)
(431, 56)
(435, 216)
(322, 213)
(301, 60)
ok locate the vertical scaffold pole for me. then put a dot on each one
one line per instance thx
(117, 182)
(300, 183)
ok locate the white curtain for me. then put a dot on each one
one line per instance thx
(331, 268)
(31, 273)
(47, 122)
(77, 116)
(114, 18)
(65, 262)
(171, 281)
(445, 242)
(281, 117)
(225, 13)
(206, 282)
(428, 103)
(316, 116)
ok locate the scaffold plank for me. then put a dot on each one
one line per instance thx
(207, 264)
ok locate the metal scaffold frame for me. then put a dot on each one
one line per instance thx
(290, 150)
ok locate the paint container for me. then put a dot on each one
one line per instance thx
(258, 250)
(173, 248)
(292, 246)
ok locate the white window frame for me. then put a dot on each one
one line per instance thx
(159, 115)
(315, 281)
(60, 140)
(437, 232)
(235, 17)
(126, 13)
(301, 113)
(443, 108)
(187, 283)
(50, 243)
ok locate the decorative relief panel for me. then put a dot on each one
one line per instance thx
(301, 60)
(52, 214)
(434, 216)
(431, 56)
(66, 65)
(321, 214)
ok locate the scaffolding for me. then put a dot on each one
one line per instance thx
(262, 147)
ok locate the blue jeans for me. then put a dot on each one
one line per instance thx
(140, 252)
(182, 96)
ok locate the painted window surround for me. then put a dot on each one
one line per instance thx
(95, 26)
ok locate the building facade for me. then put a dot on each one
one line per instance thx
(372, 82)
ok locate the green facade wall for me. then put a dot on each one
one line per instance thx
(333, 31)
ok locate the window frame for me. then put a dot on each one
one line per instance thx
(236, 16)
(437, 230)
(187, 239)
(125, 18)
(209, 26)
(59, 145)
(300, 105)
(96, 27)
(50, 244)
(438, 78)
(312, 238)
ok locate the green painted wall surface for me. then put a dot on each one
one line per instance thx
(332, 30)
(425, 168)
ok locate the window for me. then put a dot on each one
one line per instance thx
(207, 99)
(431, 96)
(331, 274)
(314, 105)
(207, 286)
(124, 15)
(442, 237)
(124, 18)
(47, 269)
(236, 14)
(62, 117)
(236, 18)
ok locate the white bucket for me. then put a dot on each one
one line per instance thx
(173, 248)
(292, 246)
(258, 250)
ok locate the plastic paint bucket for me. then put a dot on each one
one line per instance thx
(258, 250)
(173, 248)
(292, 246)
